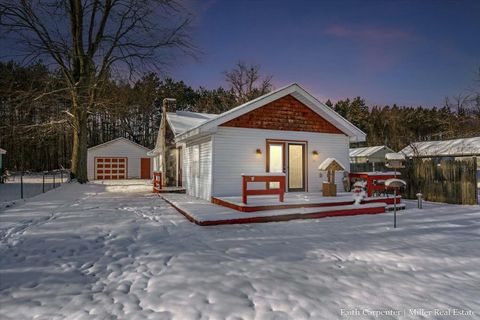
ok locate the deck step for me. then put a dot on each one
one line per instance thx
(205, 213)
(233, 203)
(169, 190)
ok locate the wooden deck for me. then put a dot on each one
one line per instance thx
(205, 213)
(295, 200)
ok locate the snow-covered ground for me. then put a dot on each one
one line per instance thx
(10, 191)
(114, 251)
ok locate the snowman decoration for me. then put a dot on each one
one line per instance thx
(359, 192)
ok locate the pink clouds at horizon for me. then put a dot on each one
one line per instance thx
(379, 49)
(369, 33)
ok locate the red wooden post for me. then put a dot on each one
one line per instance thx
(282, 188)
(370, 186)
(244, 189)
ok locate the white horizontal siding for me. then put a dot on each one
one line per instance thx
(234, 154)
(198, 182)
(119, 148)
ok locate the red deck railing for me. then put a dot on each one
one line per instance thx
(263, 178)
(375, 182)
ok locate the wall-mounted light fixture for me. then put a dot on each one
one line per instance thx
(258, 153)
(315, 154)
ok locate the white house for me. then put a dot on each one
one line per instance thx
(118, 159)
(287, 130)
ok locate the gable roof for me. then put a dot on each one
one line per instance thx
(330, 163)
(355, 134)
(394, 156)
(181, 121)
(118, 140)
(367, 151)
(455, 147)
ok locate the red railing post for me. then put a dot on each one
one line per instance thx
(244, 190)
(282, 188)
(370, 186)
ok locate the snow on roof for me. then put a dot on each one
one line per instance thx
(394, 156)
(327, 162)
(367, 151)
(117, 140)
(455, 147)
(182, 121)
(3, 151)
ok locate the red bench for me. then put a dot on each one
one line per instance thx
(375, 180)
(269, 177)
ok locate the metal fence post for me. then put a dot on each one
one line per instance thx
(61, 176)
(43, 182)
(54, 180)
(395, 207)
(21, 184)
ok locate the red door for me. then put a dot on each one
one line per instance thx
(145, 168)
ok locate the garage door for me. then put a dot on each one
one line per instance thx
(110, 168)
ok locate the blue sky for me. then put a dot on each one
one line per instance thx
(404, 52)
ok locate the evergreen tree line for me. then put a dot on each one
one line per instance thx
(35, 128)
(398, 126)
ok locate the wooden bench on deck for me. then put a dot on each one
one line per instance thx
(266, 177)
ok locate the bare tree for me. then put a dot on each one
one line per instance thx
(246, 82)
(88, 40)
(460, 103)
(476, 96)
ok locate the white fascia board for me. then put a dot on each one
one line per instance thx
(115, 140)
(250, 106)
(169, 124)
(194, 135)
(237, 111)
(180, 144)
(355, 134)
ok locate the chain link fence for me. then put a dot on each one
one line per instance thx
(21, 185)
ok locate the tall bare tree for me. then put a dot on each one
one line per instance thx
(88, 40)
(246, 82)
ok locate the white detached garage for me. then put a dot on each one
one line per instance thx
(118, 159)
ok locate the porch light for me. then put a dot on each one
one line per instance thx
(258, 153)
(315, 154)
